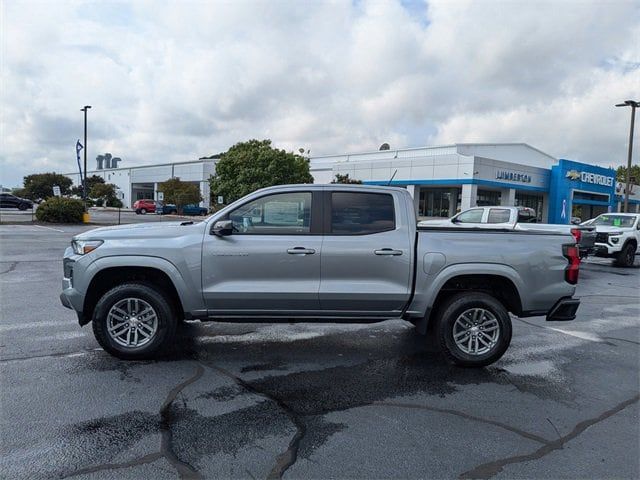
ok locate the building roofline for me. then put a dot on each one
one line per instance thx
(200, 160)
(428, 147)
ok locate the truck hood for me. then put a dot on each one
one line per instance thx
(141, 230)
(609, 229)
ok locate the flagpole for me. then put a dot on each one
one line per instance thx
(84, 189)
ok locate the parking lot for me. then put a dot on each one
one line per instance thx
(312, 400)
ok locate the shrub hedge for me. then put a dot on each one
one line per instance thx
(60, 210)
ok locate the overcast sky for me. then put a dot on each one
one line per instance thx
(173, 81)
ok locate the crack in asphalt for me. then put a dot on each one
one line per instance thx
(489, 469)
(467, 416)
(287, 458)
(11, 268)
(50, 355)
(185, 471)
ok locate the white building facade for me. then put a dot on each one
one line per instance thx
(137, 183)
(450, 178)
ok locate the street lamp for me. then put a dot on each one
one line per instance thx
(633, 104)
(84, 184)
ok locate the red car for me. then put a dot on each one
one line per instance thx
(144, 206)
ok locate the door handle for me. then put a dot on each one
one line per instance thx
(387, 251)
(300, 251)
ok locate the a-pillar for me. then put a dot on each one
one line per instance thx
(508, 197)
(469, 197)
(414, 191)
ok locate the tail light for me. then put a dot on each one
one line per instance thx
(577, 234)
(572, 254)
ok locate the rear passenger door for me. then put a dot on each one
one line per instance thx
(366, 255)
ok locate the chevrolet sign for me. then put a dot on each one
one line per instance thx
(588, 177)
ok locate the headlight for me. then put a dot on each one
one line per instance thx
(82, 247)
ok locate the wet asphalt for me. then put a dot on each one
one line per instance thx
(312, 400)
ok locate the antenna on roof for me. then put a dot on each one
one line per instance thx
(392, 177)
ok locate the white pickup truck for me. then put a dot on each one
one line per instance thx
(518, 219)
(617, 237)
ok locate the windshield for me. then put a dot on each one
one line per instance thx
(614, 220)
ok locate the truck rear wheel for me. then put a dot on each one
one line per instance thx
(134, 321)
(626, 256)
(474, 329)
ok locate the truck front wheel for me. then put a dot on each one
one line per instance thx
(134, 321)
(626, 256)
(474, 329)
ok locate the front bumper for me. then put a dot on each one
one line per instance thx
(564, 310)
(606, 250)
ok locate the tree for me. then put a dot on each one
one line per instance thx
(91, 181)
(40, 185)
(103, 192)
(248, 166)
(345, 179)
(19, 192)
(180, 193)
(621, 174)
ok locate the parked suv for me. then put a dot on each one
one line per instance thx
(11, 201)
(617, 237)
(144, 206)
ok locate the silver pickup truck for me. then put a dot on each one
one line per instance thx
(320, 253)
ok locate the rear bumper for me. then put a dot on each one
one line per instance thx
(564, 310)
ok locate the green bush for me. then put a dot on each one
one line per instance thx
(60, 210)
(99, 202)
(114, 202)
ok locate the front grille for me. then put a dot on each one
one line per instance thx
(601, 237)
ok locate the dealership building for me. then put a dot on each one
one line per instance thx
(137, 183)
(445, 179)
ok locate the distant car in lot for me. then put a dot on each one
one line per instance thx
(144, 206)
(166, 209)
(171, 209)
(194, 209)
(516, 218)
(617, 237)
(11, 201)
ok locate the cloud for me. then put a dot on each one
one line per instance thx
(173, 81)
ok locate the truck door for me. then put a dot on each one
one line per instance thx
(270, 264)
(366, 255)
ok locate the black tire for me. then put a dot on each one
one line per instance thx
(143, 211)
(453, 309)
(173, 212)
(166, 326)
(626, 256)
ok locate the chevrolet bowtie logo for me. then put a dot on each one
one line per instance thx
(573, 175)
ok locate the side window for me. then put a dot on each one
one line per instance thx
(361, 213)
(470, 216)
(278, 214)
(498, 215)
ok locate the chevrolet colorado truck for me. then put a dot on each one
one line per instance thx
(617, 237)
(318, 253)
(517, 218)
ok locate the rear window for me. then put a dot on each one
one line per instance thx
(361, 213)
(498, 215)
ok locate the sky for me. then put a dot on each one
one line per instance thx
(175, 81)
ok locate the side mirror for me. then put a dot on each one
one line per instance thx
(222, 228)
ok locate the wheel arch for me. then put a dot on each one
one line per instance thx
(504, 284)
(104, 275)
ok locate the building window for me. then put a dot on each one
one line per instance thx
(488, 198)
(435, 202)
(530, 201)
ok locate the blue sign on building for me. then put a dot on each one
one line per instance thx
(589, 188)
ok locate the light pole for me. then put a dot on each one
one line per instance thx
(84, 183)
(633, 104)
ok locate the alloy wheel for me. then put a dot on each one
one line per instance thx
(476, 331)
(132, 322)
